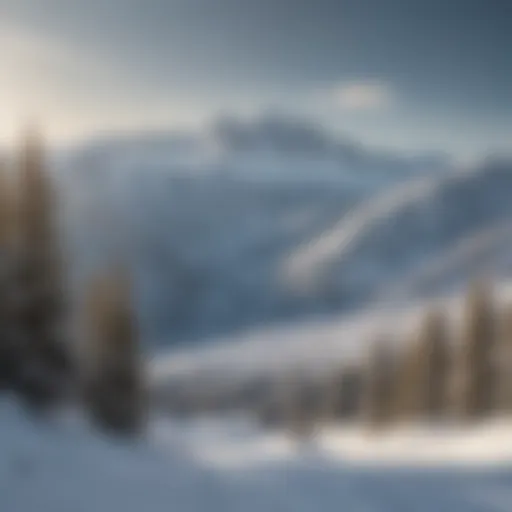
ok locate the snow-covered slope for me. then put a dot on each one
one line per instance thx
(206, 250)
(208, 219)
(230, 466)
(406, 233)
(487, 253)
(248, 225)
(315, 347)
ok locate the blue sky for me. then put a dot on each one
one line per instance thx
(407, 74)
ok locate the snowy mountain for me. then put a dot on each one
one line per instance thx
(388, 258)
(208, 220)
(216, 252)
(268, 148)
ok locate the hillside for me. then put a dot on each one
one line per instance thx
(207, 220)
(215, 253)
(459, 221)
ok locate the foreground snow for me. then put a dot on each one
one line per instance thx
(228, 465)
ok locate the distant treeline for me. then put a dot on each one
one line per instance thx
(445, 372)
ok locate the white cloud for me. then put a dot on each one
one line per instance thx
(362, 96)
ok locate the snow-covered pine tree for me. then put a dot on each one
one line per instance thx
(40, 307)
(113, 374)
(10, 356)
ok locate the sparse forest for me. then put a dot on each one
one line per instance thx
(40, 361)
(443, 371)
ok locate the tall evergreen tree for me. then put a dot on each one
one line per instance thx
(423, 377)
(343, 394)
(301, 404)
(504, 361)
(476, 369)
(114, 385)
(406, 399)
(10, 356)
(379, 385)
(40, 303)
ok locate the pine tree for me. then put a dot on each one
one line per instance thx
(406, 399)
(114, 386)
(343, 394)
(423, 377)
(39, 310)
(379, 385)
(300, 404)
(276, 407)
(504, 361)
(10, 356)
(270, 412)
(476, 378)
